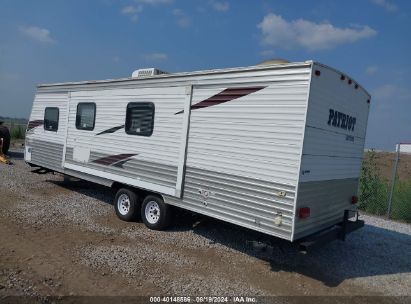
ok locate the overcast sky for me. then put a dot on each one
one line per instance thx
(46, 41)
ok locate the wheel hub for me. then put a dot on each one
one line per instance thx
(152, 212)
(123, 204)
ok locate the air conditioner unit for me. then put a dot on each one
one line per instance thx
(147, 72)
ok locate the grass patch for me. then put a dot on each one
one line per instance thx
(18, 132)
(374, 192)
(401, 202)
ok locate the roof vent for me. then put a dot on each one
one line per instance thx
(147, 73)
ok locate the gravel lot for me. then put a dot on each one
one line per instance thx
(64, 239)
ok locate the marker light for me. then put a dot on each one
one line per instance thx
(304, 212)
(354, 199)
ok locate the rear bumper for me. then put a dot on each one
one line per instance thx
(337, 232)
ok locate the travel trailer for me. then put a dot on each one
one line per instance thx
(276, 148)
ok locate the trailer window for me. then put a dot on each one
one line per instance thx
(51, 119)
(86, 116)
(140, 118)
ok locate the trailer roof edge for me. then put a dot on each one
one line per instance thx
(182, 74)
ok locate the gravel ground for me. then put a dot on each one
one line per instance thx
(63, 238)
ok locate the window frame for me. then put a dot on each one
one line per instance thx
(58, 119)
(126, 124)
(94, 118)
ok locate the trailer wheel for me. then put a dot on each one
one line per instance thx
(127, 205)
(5, 134)
(155, 213)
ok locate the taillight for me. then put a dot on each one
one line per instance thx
(304, 212)
(354, 199)
(317, 73)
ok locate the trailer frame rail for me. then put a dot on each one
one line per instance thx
(336, 232)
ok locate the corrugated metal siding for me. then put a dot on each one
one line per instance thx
(48, 145)
(327, 201)
(258, 135)
(46, 154)
(160, 174)
(248, 202)
(249, 141)
(332, 157)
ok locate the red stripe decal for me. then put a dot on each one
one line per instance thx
(224, 96)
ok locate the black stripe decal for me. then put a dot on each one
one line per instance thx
(111, 130)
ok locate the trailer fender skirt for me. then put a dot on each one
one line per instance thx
(337, 232)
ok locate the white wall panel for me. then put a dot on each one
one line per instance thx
(258, 135)
(41, 101)
(332, 156)
(332, 152)
(161, 147)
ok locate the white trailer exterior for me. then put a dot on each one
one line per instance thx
(254, 146)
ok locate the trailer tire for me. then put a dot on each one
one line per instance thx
(5, 134)
(127, 205)
(155, 213)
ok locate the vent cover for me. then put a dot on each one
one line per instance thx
(147, 73)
